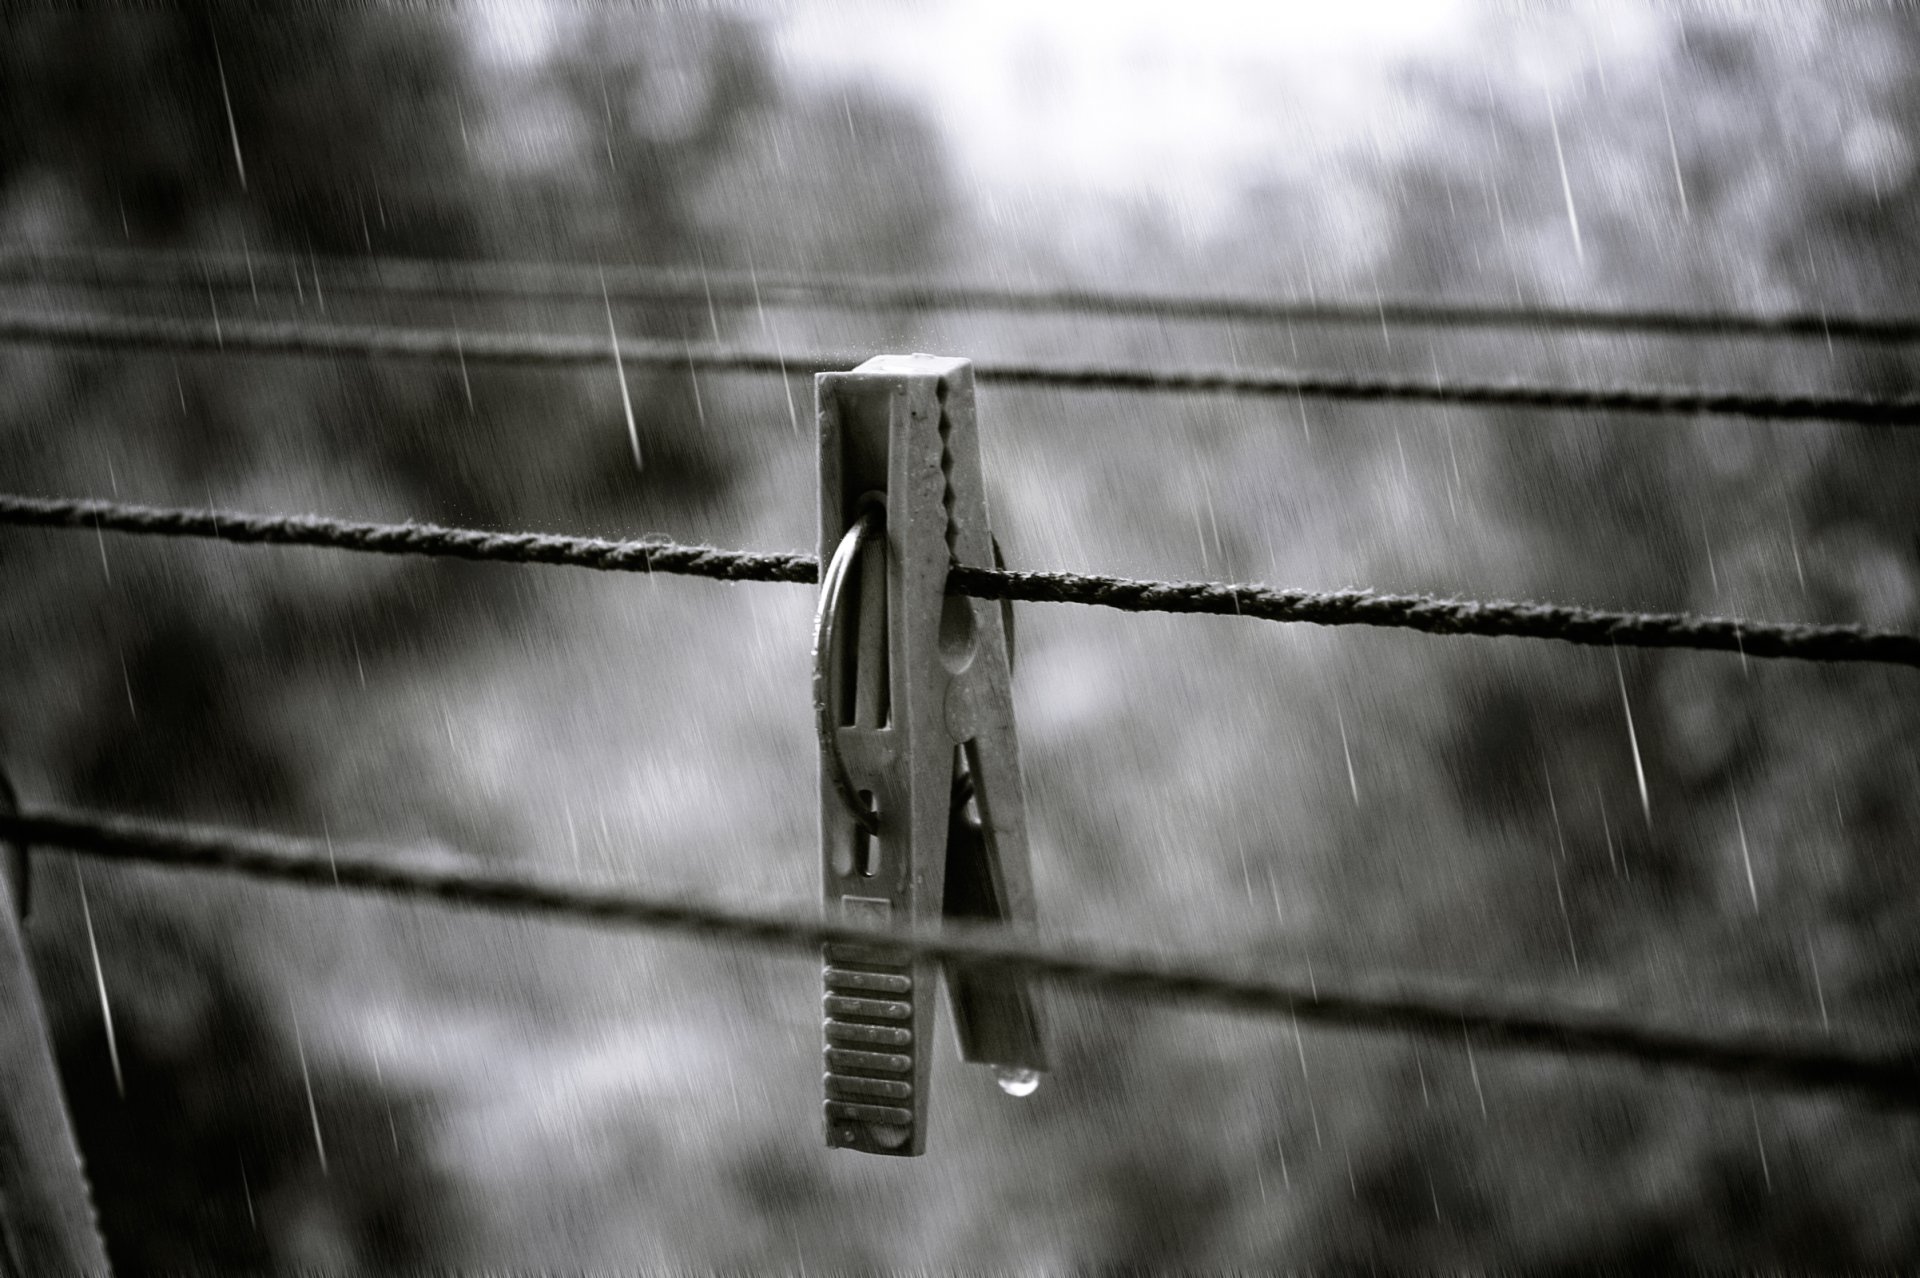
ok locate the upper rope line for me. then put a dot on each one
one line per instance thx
(1424, 613)
(533, 281)
(1884, 1075)
(253, 337)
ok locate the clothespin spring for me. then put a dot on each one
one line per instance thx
(829, 655)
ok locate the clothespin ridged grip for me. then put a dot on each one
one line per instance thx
(915, 718)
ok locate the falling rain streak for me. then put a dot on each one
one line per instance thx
(466, 383)
(126, 680)
(1565, 918)
(620, 374)
(1606, 831)
(1759, 1144)
(1473, 1068)
(1353, 782)
(1746, 857)
(246, 1190)
(1819, 991)
(386, 1099)
(1673, 152)
(1566, 185)
(1553, 807)
(226, 100)
(1306, 1083)
(1633, 739)
(253, 285)
(100, 982)
(306, 1080)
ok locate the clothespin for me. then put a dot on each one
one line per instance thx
(915, 717)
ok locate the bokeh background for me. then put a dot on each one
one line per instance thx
(489, 1092)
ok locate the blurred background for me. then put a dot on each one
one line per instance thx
(492, 1092)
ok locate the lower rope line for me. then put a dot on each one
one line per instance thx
(235, 337)
(1884, 1075)
(1424, 613)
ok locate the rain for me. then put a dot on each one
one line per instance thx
(306, 1081)
(1126, 216)
(619, 373)
(1566, 184)
(100, 983)
(1633, 741)
(233, 129)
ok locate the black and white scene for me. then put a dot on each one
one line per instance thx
(964, 636)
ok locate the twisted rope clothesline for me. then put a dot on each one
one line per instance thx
(531, 281)
(409, 539)
(123, 332)
(1883, 1074)
(1827, 643)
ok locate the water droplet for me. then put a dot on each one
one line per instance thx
(1017, 1080)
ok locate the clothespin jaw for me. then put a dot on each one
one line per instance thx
(915, 714)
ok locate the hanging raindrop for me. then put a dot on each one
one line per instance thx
(1017, 1080)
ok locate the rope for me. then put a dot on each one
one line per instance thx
(1430, 615)
(1424, 613)
(526, 281)
(1889, 1076)
(409, 539)
(109, 332)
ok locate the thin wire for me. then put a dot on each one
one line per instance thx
(1423, 613)
(1884, 1074)
(120, 332)
(534, 281)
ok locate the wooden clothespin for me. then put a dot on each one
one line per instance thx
(915, 715)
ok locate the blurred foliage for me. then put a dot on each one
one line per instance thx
(1358, 802)
(371, 134)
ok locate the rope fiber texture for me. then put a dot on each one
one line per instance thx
(535, 281)
(1424, 613)
(409, 539)
(121, 332)
(1884, 1075)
